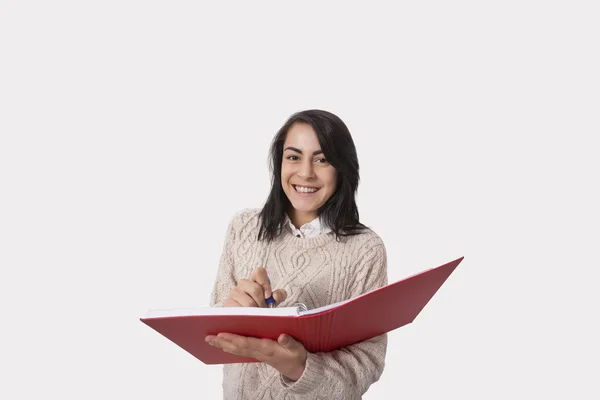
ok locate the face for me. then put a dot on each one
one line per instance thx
(307, 178)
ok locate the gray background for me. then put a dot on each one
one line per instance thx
(131, 132)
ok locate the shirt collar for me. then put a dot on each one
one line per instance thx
(308, 230)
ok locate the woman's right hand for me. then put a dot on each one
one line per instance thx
(253, 292)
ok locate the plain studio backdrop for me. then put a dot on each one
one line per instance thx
(132, 131)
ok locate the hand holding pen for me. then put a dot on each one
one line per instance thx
(255, 292)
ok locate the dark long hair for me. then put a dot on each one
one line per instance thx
(340, 212)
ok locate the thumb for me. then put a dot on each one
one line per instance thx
(288, 342)
(279, 295)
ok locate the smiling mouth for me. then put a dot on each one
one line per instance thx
(305, 189)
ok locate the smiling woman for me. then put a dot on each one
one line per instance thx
(313, 148)
(306, 241)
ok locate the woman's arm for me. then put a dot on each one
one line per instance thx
(225, 280)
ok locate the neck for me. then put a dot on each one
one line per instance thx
(300, 218)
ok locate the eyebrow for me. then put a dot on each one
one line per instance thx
(300, 151)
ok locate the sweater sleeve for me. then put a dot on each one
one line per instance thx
(225, 280)
(348, 373)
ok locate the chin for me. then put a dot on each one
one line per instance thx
(304, 208)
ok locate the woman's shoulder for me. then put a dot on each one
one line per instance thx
(246, 214)
(369, 235)
(247, 217)
(366, 239)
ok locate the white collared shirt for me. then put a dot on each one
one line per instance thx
(309, 230)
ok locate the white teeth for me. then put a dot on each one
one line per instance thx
(302, 189)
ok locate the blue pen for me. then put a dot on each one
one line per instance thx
(270, 300)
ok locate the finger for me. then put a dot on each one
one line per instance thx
(260, 349)
(260, 276)
(290, 344)
(229, 302)
(226, 346)
(218, 340)
(254, 290)
(244, 299)
(235, 344)
(214, 341)
(242, 342)
(232, 337)
(284, 340)
(287, 341)
(279, 295)
(209, 338)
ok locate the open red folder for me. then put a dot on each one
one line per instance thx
(319, 330)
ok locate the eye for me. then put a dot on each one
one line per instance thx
(292, 158)
(321, 160)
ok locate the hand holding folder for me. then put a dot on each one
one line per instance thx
(321, 329)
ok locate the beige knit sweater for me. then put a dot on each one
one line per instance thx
(316, 272)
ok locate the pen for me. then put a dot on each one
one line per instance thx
(270, 301)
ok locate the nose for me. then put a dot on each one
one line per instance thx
(306, 170)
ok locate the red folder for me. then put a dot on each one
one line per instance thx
(327, 328)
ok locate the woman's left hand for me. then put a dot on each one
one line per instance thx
(286, 355)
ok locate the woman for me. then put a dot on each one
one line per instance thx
(306, 241)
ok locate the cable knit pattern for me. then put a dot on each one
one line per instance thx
(316, 272)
